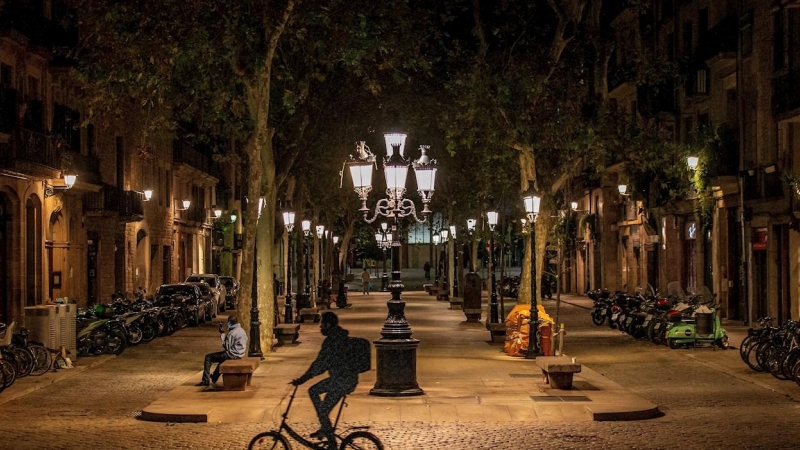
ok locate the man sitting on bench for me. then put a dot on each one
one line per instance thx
(234, 345)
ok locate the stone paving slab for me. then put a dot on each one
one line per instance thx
(465, 377)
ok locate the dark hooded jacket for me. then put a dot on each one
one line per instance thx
(334, 358)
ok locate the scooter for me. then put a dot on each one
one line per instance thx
(702, 328)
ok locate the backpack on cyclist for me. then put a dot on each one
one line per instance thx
(359, 350)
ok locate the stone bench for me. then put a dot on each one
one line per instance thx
(473, 314)
(236, 373)
(456, 303)
(324, 303)
(427, 288)
(287, 333)
(558, 370)
(497, 332)
(443, 295)
(309, 314)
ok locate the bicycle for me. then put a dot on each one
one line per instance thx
(275, 439)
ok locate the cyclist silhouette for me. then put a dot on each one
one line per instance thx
(333, 358)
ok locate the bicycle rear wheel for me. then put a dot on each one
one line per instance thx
(9, 373)
(361, 440)
(41, 359)
(24, 360)
(269, 440)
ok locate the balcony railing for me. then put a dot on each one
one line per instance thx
(786, 92)
(722, 39)
(8, 110)
(111, 201)
(182, 153)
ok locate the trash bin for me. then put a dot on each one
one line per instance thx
(384, 282)
(472, 297)
(704, 323)
(546, 343)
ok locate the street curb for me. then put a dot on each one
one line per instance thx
(38, 382)
(173, 417)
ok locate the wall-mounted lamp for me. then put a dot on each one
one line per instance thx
(692, 162)
(234, 217)
(148, 194)
(50, 189)
(186, 204)
(320, 231)
(217, 213)
(335, 240)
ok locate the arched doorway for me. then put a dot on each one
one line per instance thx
(142, 271)
(6, 307)
(33, 251)
(56, 246)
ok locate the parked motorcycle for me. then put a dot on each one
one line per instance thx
(102, 336)
(702, 326)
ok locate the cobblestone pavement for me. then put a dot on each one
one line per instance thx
(710, 400)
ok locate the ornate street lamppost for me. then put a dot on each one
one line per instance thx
(306, 224)
(456, 250)
(288, 222)
(471, 230)
(436, 240)
(255, 323)
(446, 263)
(491, 218)
(320, 234)
(383, 237)
(396, 351)
(532, 203)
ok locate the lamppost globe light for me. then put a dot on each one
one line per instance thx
(532, 204)
(436, 239)
(453, 231)
(692, 162)
(622, 188)
(491, 217)
(186, 204)
(389, 238)
(306, 225)
(384, 226)
(320, 231)
(234, 217)
(288, 220)
(335, 240)
(574, 206)
(395, 140)
(148, 194)
(217, 213)
(471, 225)
(445, 234)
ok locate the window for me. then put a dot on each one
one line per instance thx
(747, 34)
(686, 48)
(778, 49)
(702, 26)
(6, 75)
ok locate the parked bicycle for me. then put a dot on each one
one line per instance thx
(351, 438)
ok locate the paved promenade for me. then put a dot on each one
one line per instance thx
(465, 377)
(708, 397)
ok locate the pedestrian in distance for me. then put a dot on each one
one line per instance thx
(234, 347)
(341, 360)
(427, 269)
(365, 281)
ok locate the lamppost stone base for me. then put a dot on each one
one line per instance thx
(396, 368)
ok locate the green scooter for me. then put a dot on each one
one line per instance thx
(702, 328)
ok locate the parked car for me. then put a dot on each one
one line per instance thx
(209, 296)
(231, 290)
(186, 296)
(213, 281)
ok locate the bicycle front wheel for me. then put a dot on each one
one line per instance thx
(41, 359)
(361, 440)
(269, 440)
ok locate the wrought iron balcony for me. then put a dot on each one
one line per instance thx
(182, 153)
(111, 201)
(30, 152)
(786, 93)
